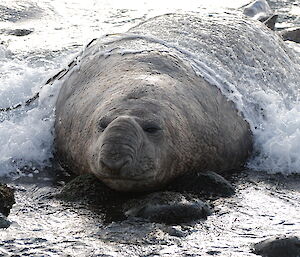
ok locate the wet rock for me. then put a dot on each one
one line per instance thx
(203, 184)
(278, 247)
(175, 231)
(89, 189)
(93, 194)
(292, 34)
(168, 207)
(4, 223)
(19, 32)
(6, 199)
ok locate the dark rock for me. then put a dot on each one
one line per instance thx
(168, 208)
(270, 21)
(6, 199)
(4, 223)
(19, 32)
(213, 252)
(292, 34)
(203, 184)
(278, 247)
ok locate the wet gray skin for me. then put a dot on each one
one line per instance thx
(138, 121)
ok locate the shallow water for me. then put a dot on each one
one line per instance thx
(263, 206)
(42, 226)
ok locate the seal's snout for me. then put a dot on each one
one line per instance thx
(120, 144)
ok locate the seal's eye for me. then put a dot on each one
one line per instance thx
(151, 129)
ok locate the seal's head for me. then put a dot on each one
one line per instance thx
(141, 133)
(129, 152)
(137, 144)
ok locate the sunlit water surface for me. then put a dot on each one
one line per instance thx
(46, 227)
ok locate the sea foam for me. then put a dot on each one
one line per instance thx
(26, 134)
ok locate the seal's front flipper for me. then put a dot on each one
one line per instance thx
(204, 184)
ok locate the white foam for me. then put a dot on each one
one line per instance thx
(27, 138)
(258, 9)
(4, 53)
(18, 81)
(26, 135)
(279, 140)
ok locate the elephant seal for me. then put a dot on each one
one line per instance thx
(137, 121)
(135, 113)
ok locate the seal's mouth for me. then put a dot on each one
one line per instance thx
(119, 178)
(129, 184)
(127, 172)
(126, 180)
